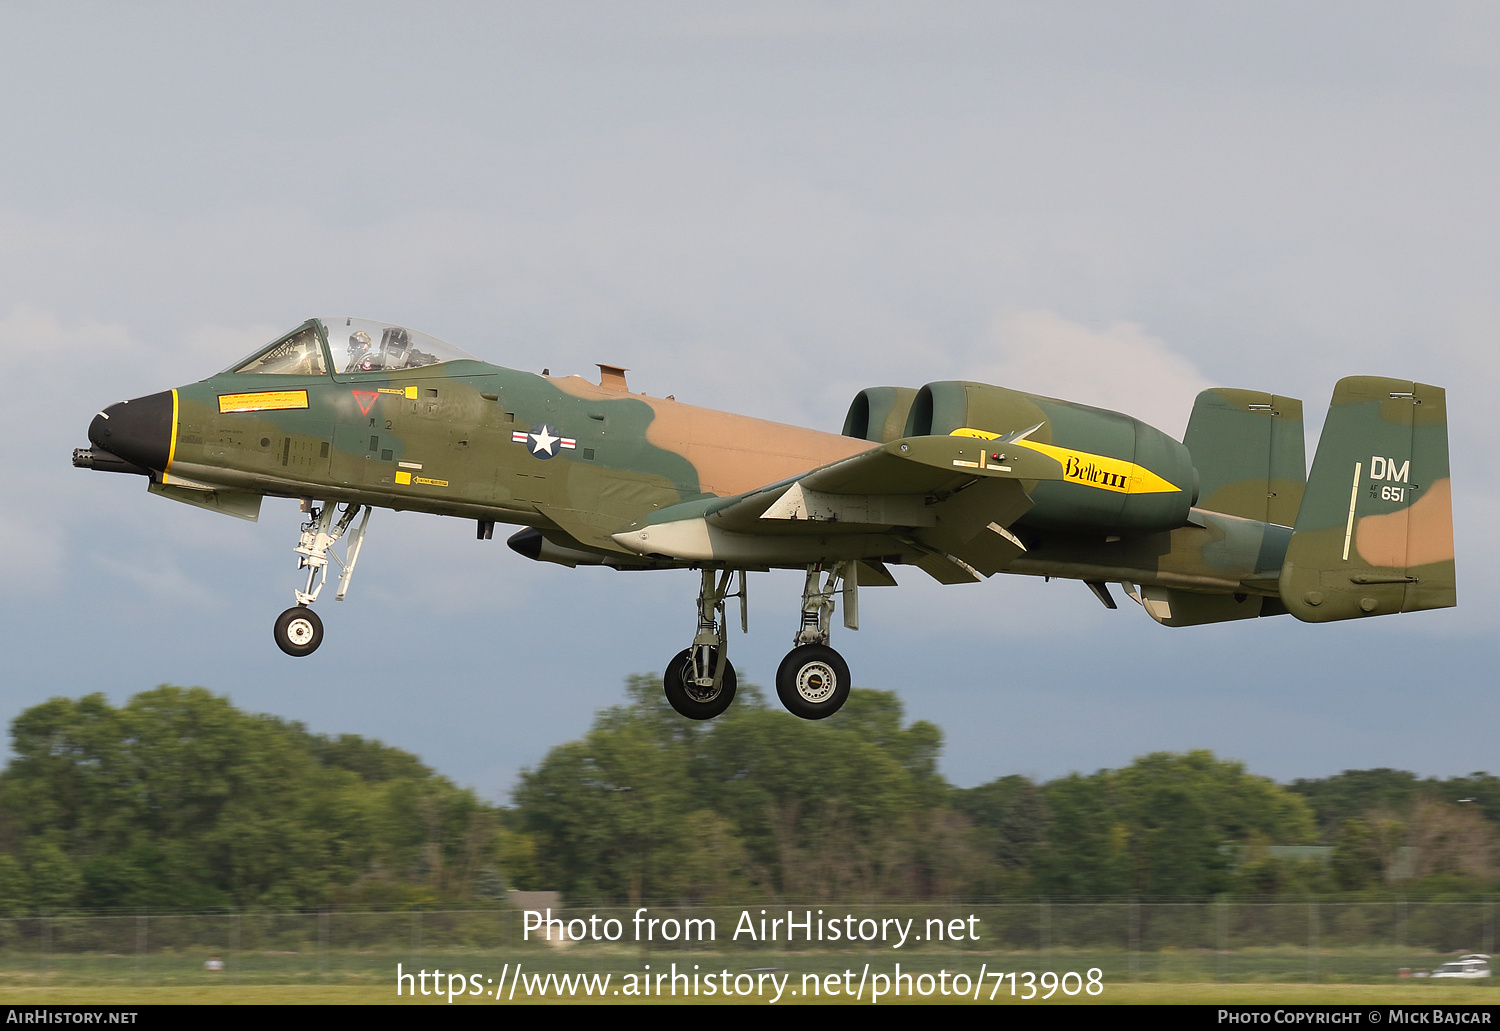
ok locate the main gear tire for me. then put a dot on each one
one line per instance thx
(813, 681)
(691, 700)
(299, 631)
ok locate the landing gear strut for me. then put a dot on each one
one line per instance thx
(700, 681)
(813, 680)
(298, 630)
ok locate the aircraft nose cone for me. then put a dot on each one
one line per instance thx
(139, 430)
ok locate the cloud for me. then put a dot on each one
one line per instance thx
(1120, 367)
(163, 579)
(31, 556)
(777, 20)
(1464, 35)
(40, 348)
(211, 346)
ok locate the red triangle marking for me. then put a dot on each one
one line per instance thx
(365, 398)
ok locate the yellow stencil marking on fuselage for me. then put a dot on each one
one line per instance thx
(172, 447)
(262, 401)
(1091, 470)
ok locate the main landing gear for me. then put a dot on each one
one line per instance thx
(298, 630)
(700, 681)
(812, 681)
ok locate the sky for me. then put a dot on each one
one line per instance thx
(761, 207)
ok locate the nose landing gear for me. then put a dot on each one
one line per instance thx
(298, 630)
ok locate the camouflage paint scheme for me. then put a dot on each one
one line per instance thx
(962, 480)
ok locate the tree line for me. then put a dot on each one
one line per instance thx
(179, 800)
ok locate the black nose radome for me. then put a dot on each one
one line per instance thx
(139, 431)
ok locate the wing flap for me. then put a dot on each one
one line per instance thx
(973, 525)
(946, 569)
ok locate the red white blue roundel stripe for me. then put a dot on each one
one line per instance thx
(542, 442)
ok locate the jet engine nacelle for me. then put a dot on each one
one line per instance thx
(1120, 475)
(879, 414)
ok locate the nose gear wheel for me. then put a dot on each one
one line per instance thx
(299, 631)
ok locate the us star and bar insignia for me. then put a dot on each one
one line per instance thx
(542, 442)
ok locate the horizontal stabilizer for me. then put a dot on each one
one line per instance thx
(1247, 447)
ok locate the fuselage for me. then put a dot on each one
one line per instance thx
(574, 459)
(960, 479)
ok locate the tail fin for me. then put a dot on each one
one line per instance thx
(1247, 447)
(1375, 530)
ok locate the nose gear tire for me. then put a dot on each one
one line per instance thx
(299, 631)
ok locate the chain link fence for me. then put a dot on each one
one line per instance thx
(1160, 941)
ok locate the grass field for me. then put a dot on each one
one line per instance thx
(1191, 953)
(309, 966)
(309, 974)
(1127, 994)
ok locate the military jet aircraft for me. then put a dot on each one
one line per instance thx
(960, 480)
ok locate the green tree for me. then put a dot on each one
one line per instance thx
(1187, 811)
(1356, 856)
(649, 805)
(1168, 824)
(1010, 815)
(1087, 847)
(609, 813)
(179, 799)
(1355, 794)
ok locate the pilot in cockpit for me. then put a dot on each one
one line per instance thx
(395, 351)
(360, 358)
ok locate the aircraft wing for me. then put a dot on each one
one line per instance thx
(948, 499)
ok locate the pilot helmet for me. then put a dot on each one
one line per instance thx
(359, 343)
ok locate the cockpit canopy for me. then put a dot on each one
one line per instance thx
(348, 345)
